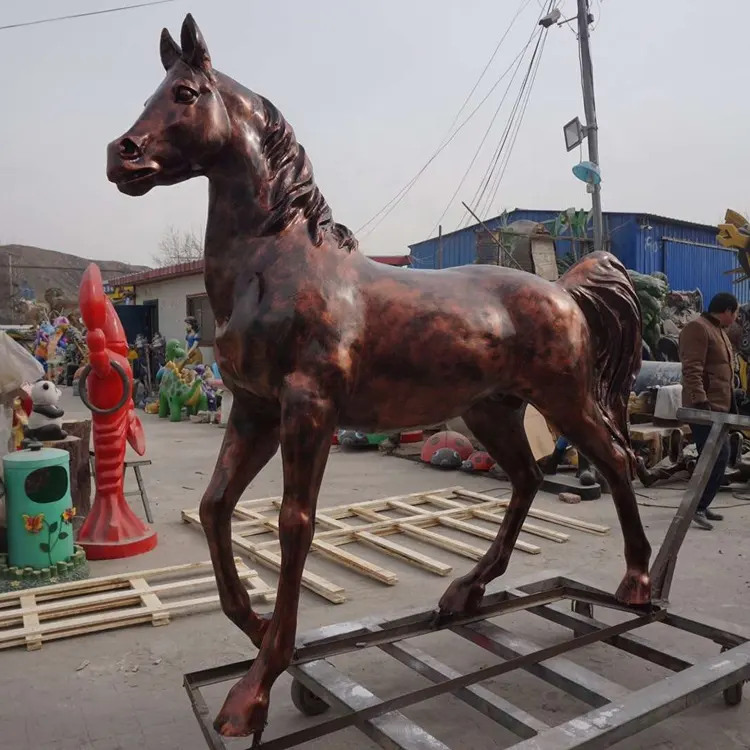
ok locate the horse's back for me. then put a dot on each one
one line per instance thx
(483, 329)
(464, 290)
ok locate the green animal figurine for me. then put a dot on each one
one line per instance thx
(180, 389)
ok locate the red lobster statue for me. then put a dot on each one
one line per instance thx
(111, 530)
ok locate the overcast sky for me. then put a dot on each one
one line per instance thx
(371, 89)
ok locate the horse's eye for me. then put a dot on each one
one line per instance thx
(185, 95)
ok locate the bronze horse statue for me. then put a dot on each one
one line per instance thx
(311, 335)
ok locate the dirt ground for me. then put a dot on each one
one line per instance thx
(123, 688)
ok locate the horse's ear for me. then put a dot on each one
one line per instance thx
(194, 49)
(169, 50)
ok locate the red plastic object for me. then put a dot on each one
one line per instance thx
(111, 529)
(481, 461)
(446, 439)
(414, 436)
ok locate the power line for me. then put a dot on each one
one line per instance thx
(514, 137)
(481, 142)
(521, 8)
(489, 173)
(401, 194)
(494, 117)
(490, 180)
(514, 127)
(82, 15)
(487, 177)
(391, 205)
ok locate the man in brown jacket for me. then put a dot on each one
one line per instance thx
(708, 383)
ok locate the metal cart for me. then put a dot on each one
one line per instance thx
(318, 687)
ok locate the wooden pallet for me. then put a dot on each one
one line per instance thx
(32, 617)
(418, 514)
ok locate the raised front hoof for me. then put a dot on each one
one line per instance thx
(239, 718)
(635, 589)
(463, 597)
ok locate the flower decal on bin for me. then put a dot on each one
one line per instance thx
(56, 531)
(33, 524)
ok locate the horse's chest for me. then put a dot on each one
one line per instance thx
(250, 350)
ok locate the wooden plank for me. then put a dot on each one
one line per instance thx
(315, 583)
(438, 518)
(404, 553)
(528, 528)
(452, 545)
(342, 557)
(573, 523)
(356, 563)
(343, 511)
(80, 615)
(372, 515)
(57, 590)
(470, 528)
(482, 512)
(336, 527)
(385, 545)
(97, 601)
(150, 601)
(90, 603)
(30, 621)
(444, 502)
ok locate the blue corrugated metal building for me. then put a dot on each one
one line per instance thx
(685, 251)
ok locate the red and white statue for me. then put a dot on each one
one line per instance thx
(111, 529)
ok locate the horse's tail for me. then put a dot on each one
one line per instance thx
(601, 287)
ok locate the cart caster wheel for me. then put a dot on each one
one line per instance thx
(733, 695)
(585, 610)
(306, 702)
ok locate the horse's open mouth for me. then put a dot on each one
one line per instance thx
(136, 175)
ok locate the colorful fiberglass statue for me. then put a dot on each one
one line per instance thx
(41, 343)
(193, 338)
(111, 530)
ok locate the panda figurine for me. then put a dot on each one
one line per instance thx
(45, 420)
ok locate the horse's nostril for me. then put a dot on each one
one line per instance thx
(130, 148)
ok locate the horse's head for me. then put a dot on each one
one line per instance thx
(184, 124)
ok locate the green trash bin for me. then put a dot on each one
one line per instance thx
(38, 507)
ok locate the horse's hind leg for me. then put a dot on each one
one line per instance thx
(498, 424)
(583, 425)
(249, 444)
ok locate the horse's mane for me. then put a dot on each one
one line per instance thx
(292, 185)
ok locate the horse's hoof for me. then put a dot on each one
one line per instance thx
(463, 597)
(239, 718)
(635, 589)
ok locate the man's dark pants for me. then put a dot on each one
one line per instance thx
(700, 435)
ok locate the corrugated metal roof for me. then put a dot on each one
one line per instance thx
(194, 267)
(638, 214)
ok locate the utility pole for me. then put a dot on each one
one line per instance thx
(589, 109)
(10, 287)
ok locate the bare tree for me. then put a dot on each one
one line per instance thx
(179, 247)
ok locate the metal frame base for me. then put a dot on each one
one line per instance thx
(617, 713)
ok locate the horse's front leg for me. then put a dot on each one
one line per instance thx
(249, 444)
(307, 423)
